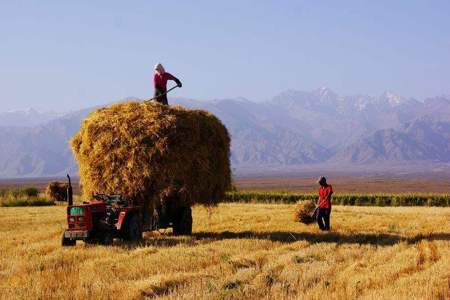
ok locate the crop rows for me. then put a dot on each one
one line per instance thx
(343, 199)
(28, 197)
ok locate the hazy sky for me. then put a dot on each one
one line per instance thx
(71, 54)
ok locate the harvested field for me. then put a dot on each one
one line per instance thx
(237, 251)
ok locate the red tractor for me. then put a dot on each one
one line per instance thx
(109, 216)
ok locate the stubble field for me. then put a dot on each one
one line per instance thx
(248, 251)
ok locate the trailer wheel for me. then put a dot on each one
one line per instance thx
(183, 224)
(67, 242)
(133, 229)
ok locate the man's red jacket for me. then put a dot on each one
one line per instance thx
(325, 193)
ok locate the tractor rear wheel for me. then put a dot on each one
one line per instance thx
(133, 230)
(107, 238)
(182, 225)
(67, 242)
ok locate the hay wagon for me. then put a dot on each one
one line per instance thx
(162, 159)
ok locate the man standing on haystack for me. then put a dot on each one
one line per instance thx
(324, 210)
(160, 82)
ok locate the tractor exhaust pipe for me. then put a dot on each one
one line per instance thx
(69, 192)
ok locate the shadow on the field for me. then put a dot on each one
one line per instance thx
(328, 237)
(159, 242)
(164, 241)
(439, 236)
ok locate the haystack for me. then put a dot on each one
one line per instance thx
(57, 191)
(304, 212)
(147, 151)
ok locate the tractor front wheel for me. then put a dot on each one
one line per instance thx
(67, 242)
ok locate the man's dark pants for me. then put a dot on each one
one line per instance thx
(323, 218)
(161, 97)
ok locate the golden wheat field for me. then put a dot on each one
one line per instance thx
(251, 251)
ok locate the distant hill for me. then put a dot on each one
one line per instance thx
(422, 140)
(39, 151)
(26, 118)
(295, 128)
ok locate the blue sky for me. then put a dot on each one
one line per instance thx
(67, 55)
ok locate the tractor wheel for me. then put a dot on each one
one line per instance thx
(90, 241)
(67, 242)
(107, 238)
(133, 230)
(183, 224)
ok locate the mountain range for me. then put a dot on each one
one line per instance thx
(26, 118)
(295, 129)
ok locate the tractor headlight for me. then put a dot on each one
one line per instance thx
(71, 219)
(80, 219)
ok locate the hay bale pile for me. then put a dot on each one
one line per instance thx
(56, 191)
(145, 151)
(304, 211)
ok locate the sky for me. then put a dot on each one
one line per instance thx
(65, 55)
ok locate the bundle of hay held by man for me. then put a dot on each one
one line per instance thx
(305, 212)
(149, 152)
